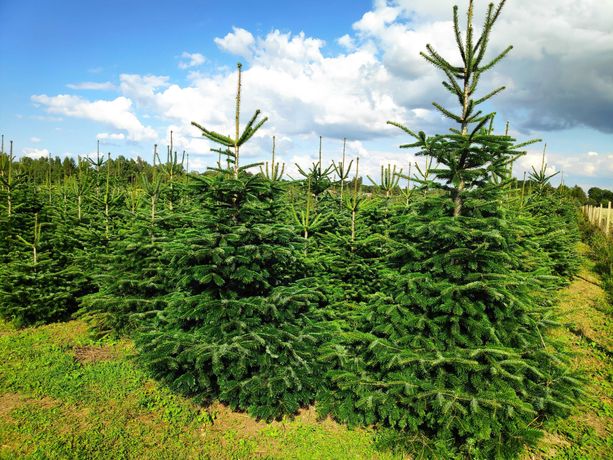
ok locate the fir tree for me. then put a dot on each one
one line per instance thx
(273, 171)
(239, 328)
(454, 353)
(37, 284)
(342, 170)
(317, 178)
(557, 229)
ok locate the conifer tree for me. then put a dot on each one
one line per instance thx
(388, 180)
(132, 280)
(274, 171)
(557, 230)
(317, 178)
(353, 252)
(37, 285)
(9, 181)
(239, 327)
(454, 353)
(342, 170)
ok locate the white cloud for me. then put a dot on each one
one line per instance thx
(186, 137)
(35, 140)
(239, 42)
(559, 74)
(189, 60)
(141, 88)
(116, 113)
(284, 48)
(291, 81)
(375, 21)
(111, 136)
(561, 57)
(92, 85)
(588, 164)
(35, 153)
(346, 42)
(568, 28)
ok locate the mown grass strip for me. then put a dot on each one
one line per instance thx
(64, 395)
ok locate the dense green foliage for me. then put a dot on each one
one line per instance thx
(601, 253)
(425, 309)
(452, 350)
(598, 196)
(238, 328)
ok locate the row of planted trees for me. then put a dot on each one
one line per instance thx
(423, 309)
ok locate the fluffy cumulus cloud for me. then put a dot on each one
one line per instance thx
(189, 60)
(561, 65)
(291, 81)
(576, 168)
(559, 76)
(141, 88)
(111, 136)
(116, 113)
(239, 42)
(560, 68)
(35, 153)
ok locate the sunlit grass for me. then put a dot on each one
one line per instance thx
(64, 395)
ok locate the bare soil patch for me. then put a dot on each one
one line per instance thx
(91, 354)
(11, 401)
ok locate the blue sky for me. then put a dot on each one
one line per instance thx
(127, 72)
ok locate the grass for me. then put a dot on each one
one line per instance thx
(587, 334)
(65, 395)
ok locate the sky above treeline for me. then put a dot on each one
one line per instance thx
(126, 73)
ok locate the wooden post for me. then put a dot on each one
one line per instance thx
(608, 227)
(589, 213)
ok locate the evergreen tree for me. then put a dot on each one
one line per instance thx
(557, 228)
(454, 353)
(132, 279)
(239, 328)
(37, 284)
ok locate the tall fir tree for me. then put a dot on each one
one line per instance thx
(240, 328)
(455, 353)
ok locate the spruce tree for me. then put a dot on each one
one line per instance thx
(454, 354)
(240, 327)
(354, 250)
(557, 230)
(37, 283)
(132, 280)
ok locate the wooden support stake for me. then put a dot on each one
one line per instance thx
(608, 227)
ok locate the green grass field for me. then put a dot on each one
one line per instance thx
(64, 395)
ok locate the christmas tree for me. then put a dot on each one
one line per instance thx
(240, 328)
(454, 354)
